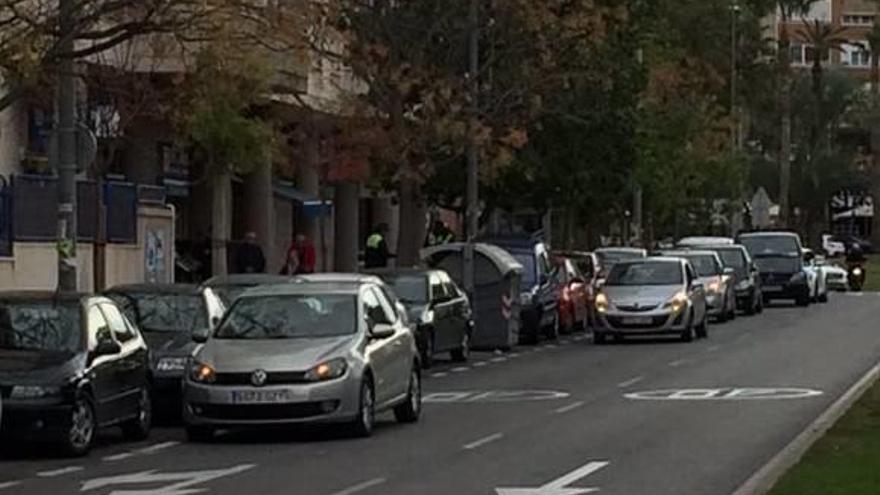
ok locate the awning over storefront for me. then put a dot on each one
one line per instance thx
(312, 205)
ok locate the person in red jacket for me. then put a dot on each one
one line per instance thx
(307, 254)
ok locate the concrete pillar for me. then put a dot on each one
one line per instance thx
(382, 211)
(259, 208)
(308, 181)
(346, 243)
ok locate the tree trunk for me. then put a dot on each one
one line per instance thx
(875, 74)
(308, 181)
(259, 205)
(346, 244)
(221, 220)
(784, 105)
(413, 227)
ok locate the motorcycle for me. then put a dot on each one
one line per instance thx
(856, 277)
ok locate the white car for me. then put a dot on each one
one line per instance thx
(836, 276)
(833, 246)
(816, 277)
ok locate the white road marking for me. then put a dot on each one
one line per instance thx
(361, 486)
(570, 407)
(580, 337)
(498, 359)
(630, 382)
(152, 449)
(439, 375)
(714, 394)
(551, 346)
(118, 457)
(480, 364)
(178, 480)
(460, 369)
(59, 472)
(483, 441)
(9, 484)
(678, 362)
(713, 348)
(560, 486)
(513, 355)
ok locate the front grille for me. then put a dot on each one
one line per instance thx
(835, 276)
(274, 378)
(656, 321)
(637, 308)
(258, 412)
(775, 278)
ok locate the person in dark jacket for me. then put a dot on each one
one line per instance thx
(376, 253)
(249, 258)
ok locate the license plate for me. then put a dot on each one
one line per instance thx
(772, 288)
(637, 320)
(262, 396)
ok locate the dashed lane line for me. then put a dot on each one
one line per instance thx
(498, 359)
(439, 375)
(361, 486)
(483, 441)
(152, 449)
(480, 364)
(713, 348)
(117, 457)
(9, 484)
(678, 362)
(59, 472)
(460, 369)
(570, 407)
(630, 382)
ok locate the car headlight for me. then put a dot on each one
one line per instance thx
(202, 373)
(857, 272)
(34, 392)
(328, 370)
(714, 287)
(678, 302)
(171, 364)
(428, 317)
(601, 302)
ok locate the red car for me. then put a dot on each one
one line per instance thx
(574, 295)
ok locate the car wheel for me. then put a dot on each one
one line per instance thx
(599, 338)
(199, 433)
(139, 427)
(82, 428)
(687, 335)
(362, 426)
(428, 350)
(410, 410)
(462, 354)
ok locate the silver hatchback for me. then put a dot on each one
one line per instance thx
(324, 352)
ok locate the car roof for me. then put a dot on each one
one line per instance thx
(619, 249)
(38, 295)
(769, 233)
(513, 242)
(650, 259)
(304, 289)
(246, 279)
(184, 289)
(356, 278)
(721, 240)
(396, 272)
(689, 252)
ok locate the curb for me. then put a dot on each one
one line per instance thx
(763, 480)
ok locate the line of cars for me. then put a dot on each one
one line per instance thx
(340, 348)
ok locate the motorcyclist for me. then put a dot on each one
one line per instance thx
(855, 265)
(855, 255)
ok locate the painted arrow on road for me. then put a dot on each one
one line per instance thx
(560, 486)
(180, 481)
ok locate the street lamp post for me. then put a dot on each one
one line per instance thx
(67, 149)
(472, 157)
(734, 108)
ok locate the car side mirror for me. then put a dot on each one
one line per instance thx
(201, 335)
(380, 331)
(107, 348)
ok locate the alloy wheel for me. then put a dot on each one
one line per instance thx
(82, 427)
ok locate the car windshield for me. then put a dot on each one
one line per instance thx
(40, 326)
(780, 264)
(410, 288)
(529, 274)
(734, 258)
(646, 273)
(771, 244)
(290, 316)
(609, 258)
(704, 264)
(165, 312)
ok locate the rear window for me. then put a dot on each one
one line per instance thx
(647, 273)
(778, 264)
(529, 275)
(164, 312)
(705, 265)
(40, 326)
(410, 289)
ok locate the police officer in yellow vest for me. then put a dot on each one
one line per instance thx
(376, 253)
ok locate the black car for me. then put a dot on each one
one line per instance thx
(229, 287)
(779, 258)
(749, 297)
(70, 364)
(168, 315)
(438, 310)
(538, 289)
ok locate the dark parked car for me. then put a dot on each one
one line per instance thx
(779, 257)
(168, 315)
(229, 287)
(747, 279)
(70, 364)
(538, 290)
(438, 310)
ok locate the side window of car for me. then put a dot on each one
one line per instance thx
(689, 271)
(214, 304)
(544, 265)
(116, 321)
(386, 304)
(449, 287)
(373, 310)
(438, 292)
(99, 330)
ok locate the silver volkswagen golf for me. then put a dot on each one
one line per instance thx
(309, 352)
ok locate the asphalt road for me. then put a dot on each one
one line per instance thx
(555, 418)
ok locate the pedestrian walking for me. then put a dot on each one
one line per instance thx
(307, 254)
(291, 261)
(376, 253)
(249, 257)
